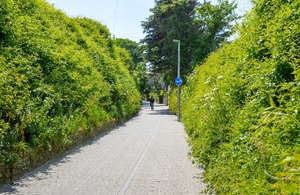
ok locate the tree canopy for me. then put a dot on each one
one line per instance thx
(201, 28)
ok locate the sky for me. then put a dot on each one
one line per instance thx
(122, 17)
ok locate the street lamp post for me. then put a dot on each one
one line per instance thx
(178, 76)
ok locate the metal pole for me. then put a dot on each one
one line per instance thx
(178, 68)
(178, 72)
(178, 76)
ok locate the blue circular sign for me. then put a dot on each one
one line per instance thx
(178, 81)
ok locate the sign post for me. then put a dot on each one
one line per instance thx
(178, 80)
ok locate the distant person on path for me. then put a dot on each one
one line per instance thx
(151, 102)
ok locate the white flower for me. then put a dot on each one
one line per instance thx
(219, 77)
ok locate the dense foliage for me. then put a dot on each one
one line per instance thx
(58, 76)
(137, 67)
(241, 107)
(201, 28)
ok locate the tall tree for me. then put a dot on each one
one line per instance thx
(216, 25)
(200, 27)
(170, 20)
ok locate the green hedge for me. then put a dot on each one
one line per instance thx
(58, 76)
(241, 107)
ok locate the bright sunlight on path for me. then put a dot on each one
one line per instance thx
(146, 155)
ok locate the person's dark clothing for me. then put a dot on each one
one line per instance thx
(152, 100)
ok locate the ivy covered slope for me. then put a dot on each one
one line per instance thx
(58, 76)
(241, 108)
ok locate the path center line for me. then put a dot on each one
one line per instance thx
(138, 164)
(75, 190)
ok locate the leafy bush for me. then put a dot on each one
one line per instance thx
(241, 107)
(59, 75)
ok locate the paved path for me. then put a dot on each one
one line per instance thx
(146, 155)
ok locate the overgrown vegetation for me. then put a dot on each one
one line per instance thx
(241, 107)
(58, 76)
(137, 68)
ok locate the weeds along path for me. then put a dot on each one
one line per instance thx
(146, 155)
